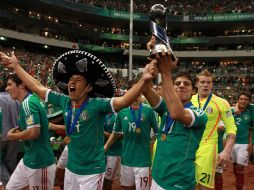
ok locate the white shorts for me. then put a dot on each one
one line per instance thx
(135, 176)
(155, 186)
(38, 179)
(240, 154)
(62, 162)
(80, 182)
(113, 167)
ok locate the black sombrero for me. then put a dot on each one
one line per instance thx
(85, 64)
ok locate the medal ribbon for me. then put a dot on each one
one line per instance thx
(72, 125)
(137, 121)
(206, 103)
(170, 121)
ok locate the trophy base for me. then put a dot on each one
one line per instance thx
(159, 48)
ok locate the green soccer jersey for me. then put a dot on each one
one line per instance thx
(173, 165)
(251, 108)
(38, 153)
(116, 148)
(136, 146)
(243, 122)
(220, 141)
(86, 149)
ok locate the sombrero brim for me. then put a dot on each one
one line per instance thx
(85, 64)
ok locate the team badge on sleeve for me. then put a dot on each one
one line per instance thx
(29, 120)
(228, 114)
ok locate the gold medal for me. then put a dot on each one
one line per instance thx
(67, 139)
(163, 137)
(138, 130)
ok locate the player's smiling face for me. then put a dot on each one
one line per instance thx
(13, 89)
(76, 87)
(243, 101)
(183, 88)
(204, 85)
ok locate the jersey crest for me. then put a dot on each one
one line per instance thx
(209, 110)
(84, 115)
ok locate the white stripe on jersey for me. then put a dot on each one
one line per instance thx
(26, 107)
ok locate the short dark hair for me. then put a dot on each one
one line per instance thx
(245, 93)
(14, 78)
(185, 74)
(3, 84)
(131, 83)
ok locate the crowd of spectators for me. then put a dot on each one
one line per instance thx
(230, 77)
(177, 7)
(58, 27)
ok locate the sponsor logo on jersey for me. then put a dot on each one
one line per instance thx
(29, 120)
(125, 118)
(209, 110)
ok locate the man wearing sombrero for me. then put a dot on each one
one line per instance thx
(86, 83)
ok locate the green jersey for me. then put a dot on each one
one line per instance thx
(244, 122)
(173, 164)
(220, 141)
(136, 146)
(86, 154)
(116, 148)
(251, 108)
(38, 153)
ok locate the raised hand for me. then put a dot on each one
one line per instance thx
(151, 70)
(165, 63)
(151, 43)
(8, 61)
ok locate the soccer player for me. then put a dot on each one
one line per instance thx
(113, 153)
(240, 154)
(83, 78)
(216, 109)
(181, 129)
(135, 122)
(37, 168)
(9, 149)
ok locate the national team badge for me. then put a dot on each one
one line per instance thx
(209, 110)
(84, 115)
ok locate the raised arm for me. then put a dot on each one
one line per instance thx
(150, 71)
(30, 82)
(174, 103)
(151, 95)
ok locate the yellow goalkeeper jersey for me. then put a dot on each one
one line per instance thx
(217, 109)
